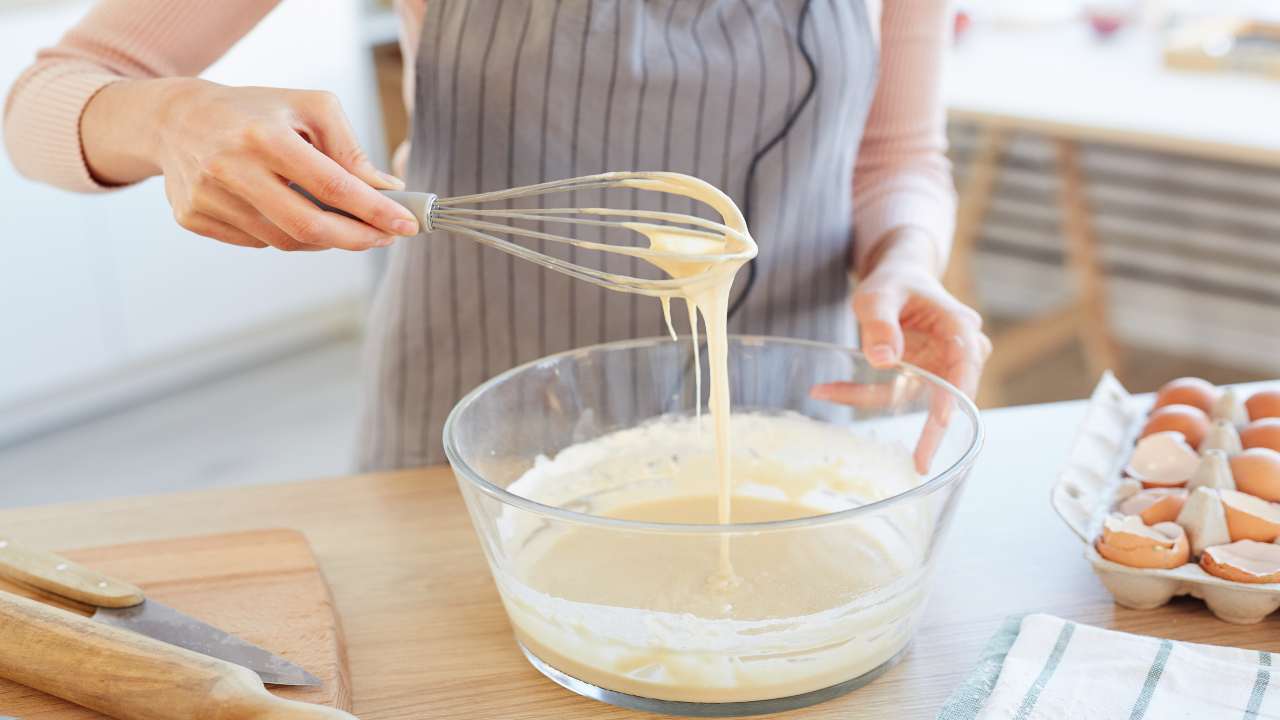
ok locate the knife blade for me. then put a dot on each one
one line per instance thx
(122, 605)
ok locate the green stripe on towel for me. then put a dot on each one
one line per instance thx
(1153, 678)
(1259, 685)
(1046, 673)
(967, 700)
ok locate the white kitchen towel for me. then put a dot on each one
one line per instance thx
(1056, 669)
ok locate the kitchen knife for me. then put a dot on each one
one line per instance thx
(131, 676)
(122, 605)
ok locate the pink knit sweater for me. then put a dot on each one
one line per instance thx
(902, 179)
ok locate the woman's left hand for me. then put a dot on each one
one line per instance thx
(905, 314)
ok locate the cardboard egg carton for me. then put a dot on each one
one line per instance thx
(1086, 492)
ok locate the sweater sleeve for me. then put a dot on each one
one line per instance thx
(117, 39)
(902, 177)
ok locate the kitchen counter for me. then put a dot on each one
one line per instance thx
(427, 636)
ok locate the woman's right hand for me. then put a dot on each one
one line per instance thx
(228, 155)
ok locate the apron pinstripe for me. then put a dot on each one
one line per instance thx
(513, 92)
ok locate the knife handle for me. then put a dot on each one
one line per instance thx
(130, 676)
(60, 576)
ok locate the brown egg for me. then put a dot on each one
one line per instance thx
(1257, 472)
(1191, 421)
(1191, 391)
(1249, 517)
(1263, 432)
(1244, 561)
(1154, 506)
(1263, 404)
(1126, 540)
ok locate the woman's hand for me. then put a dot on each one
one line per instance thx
(228, 154)
(904, 314)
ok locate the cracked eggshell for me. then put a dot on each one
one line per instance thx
(1156, 505)
(1214, 471)
(1163, 459)
(1191, 421)
(1231, 408)
(1193, 391)
(1263, 404)
(1223, 436)
(1245, 561)
(1263, 432)
(1249, 517)
(1128, 541)
(1257, 472)
(1204, 520)
(1127, 488)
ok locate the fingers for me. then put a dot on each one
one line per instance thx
(855, 394)
(329, 130)
(217, 202)
(298, 217)
(329, 174)
(293, 158)
(935, 428)
(210, 227)
(878, 313)
(965, 355)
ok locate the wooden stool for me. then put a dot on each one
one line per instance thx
(1084, 317)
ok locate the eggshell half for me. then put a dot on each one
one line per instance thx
(1231, 408)
(1204, 519)
(1263, 404)
(1163, 459)
(1156, 505)
(1126, 540)
(1249, 517)
(1257, 472)
(1244, 561)
(1193, 391)
(1263, 432)
(1223, 436)
(1214, 471)
(1191, 421)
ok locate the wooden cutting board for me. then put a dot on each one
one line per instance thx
(264, 586)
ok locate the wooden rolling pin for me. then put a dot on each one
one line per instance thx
(128, 676)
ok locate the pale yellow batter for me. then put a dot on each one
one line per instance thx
(642, 612)
(715, 617)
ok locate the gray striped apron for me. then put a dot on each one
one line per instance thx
(513, 92)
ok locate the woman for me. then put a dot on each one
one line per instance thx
(822, 118)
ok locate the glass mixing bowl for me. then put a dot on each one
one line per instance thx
(614, 605)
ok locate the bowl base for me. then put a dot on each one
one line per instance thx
(699, 709)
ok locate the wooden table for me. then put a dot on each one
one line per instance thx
(427, 637)
(1061, 83)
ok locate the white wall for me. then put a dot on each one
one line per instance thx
(104, 299)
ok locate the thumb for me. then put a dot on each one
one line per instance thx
(878, 315)
(332, 133)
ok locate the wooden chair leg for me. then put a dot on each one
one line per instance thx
(974, 200)
(1084, 262)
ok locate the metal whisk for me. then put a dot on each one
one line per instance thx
(458, 215)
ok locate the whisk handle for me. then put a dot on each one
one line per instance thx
(418, 203)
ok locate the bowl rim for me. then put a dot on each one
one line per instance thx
(939, 480)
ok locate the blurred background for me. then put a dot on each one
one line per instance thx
(1118, 165)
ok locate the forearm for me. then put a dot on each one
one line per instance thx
(903, 193)
(116, 42)
(907, 247)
